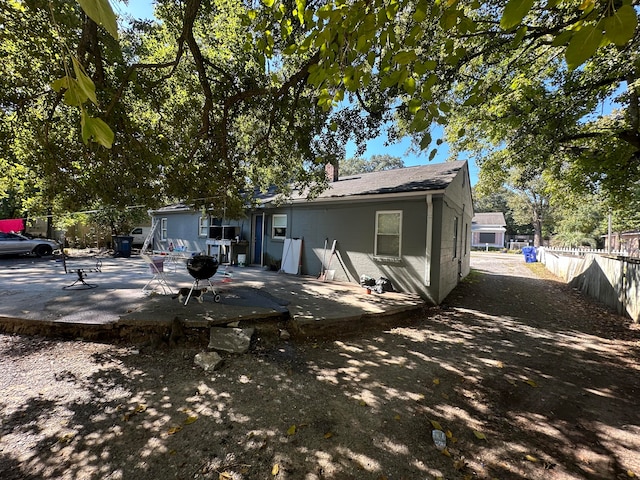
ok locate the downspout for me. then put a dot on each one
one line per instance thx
(429, 242)
(262, 242)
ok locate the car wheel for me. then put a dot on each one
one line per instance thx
(43, 250)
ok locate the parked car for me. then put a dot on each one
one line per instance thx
(139, 235)
(13, 243)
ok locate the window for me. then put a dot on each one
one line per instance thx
(455, 237)
(487, 238)
(163, 229)
(279, 226)
(203, 226)
(388, 234)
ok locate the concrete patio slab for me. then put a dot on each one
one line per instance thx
(32, 299)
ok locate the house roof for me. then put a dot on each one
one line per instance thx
(489, 218)
(423, 178)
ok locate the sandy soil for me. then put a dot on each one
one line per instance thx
(526, 379)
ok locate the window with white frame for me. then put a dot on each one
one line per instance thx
(279, 226)
(203, 226)
(388, 234)
(163, 229)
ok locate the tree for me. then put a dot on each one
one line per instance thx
(376, 163)
(217, 99)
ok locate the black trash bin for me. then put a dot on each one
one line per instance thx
(529, 254)
(121, 245)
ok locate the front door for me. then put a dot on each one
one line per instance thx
(257, 240)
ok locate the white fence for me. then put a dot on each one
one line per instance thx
(585, 251)
(614, 281)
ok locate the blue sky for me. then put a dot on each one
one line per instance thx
(144, 9)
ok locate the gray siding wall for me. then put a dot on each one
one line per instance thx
(182, 229)
(353, 226)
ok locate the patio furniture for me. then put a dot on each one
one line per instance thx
(156, 268)
(81, 272)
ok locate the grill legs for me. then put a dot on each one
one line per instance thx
(196, 285)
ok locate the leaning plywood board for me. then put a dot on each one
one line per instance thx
(291, 253)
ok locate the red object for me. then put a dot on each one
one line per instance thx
(12, 225)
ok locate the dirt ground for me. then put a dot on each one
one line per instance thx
(526, 379)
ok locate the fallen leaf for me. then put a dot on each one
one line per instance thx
(65, 438)
(531, 458)
(292, 430)
(328, 435)
(630, 474)
(190, 420)
(444, 395)
(225, 476)
(448, 434)
(479, 435)
(459, 464)
(397, 417)
(275, 470)
(362, 403)
(140, 408)
(445, 452)
(436, 425)
(531, 382)
(436, 381)
(499, 364)
(174, 430)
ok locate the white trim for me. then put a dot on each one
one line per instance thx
(273, 226)
(375, 243)
(163, 229)
(429, 242)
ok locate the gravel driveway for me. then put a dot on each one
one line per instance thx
(526, 379)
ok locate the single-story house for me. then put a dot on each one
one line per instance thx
(488, 230)
(411, 225)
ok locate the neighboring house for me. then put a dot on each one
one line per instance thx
(411, 225)
(488, 230)
(626, 241)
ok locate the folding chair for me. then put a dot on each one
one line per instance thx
(156, 268)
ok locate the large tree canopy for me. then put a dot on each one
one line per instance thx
(216, 98)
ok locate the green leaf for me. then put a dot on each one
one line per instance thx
(562, 38)
(404, 57)
(100, 11)
(409, 85)
(60, 83)
(424, 143)
(449, 19)
(433, 154)
(85, 84)
(74, 96)
(300, 7)
(268, 3)
(514, 12)
(420, 14)
(96, 129)
(621, 26)
(583, 45)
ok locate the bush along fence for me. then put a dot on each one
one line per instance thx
(612, 280)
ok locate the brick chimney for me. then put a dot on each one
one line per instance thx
(331, 169)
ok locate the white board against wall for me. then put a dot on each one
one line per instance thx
(291, 253)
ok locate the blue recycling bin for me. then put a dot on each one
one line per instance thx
(122, 245)
(529, 254)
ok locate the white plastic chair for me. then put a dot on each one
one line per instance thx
(156, 268)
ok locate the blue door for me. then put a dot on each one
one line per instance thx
(257, 240)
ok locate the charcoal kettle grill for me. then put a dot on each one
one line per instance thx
(202, 267)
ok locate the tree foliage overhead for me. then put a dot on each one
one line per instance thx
(221, 97)
(376, 163)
